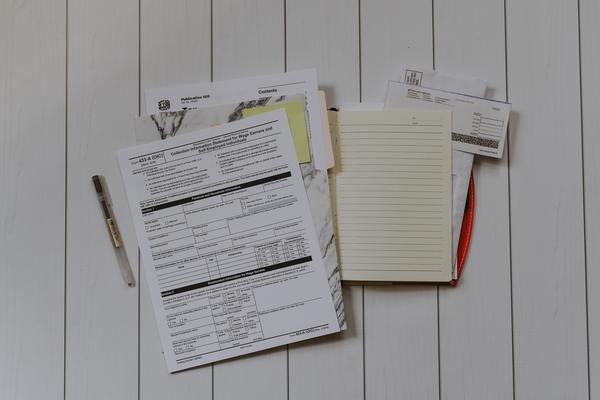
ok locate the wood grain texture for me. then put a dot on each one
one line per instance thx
(475, 317)
(331, 45)
(175, 40)
(331, 367)
(175, 43)
(400, 322)
(401, 352)
(102, 323)
(546, 196)
(393, 33)
(95, 80)
(249, 39)
(32, 199)
(590, 92)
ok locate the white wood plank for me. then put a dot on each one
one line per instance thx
(328, 43)
(258, 376)
(393, 33)
(102, 312)
(590, 91)
(548, 271)
(330, 367)
(248, 39)
(175, 39)
(32, 199)
(401, 358)
(475, 317)
(401, 332)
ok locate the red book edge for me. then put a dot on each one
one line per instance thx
(465, 231)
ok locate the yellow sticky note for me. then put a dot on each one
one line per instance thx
(295, 114)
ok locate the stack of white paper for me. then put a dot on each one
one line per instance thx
(217, 234)
(431, 90)
(226, 237)
(231, 202)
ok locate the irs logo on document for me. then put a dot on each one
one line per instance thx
(164, 105)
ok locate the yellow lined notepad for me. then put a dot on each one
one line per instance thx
(393, 195)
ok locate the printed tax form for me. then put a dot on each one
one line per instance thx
(179, 109)
(227, 241)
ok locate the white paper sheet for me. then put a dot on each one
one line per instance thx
(199, 106)
(326, 133)
(227, 241)
(204, 95)
(418, 76)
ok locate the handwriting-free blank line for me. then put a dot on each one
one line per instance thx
(373, 233)
(386, 223)
(386, 171)
(402, 257)
(384, 211)
(391, 237)
(394, 158)
(396, 165)
(391, 183)
(368, 137)
(363, 147)
(403, 251)
(393, 270)
(395, 151)
(392, 177)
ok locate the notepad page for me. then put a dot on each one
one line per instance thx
(393, 195)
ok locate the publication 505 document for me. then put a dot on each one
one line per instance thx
(227, 241)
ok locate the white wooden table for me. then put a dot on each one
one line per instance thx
(524, 322)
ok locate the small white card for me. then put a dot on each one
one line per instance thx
(418, 76)
(479, 125)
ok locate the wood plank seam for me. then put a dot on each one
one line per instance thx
(512, 325)
(585, 249)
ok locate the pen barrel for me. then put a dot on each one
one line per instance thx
(114, 232)
(124, 266)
